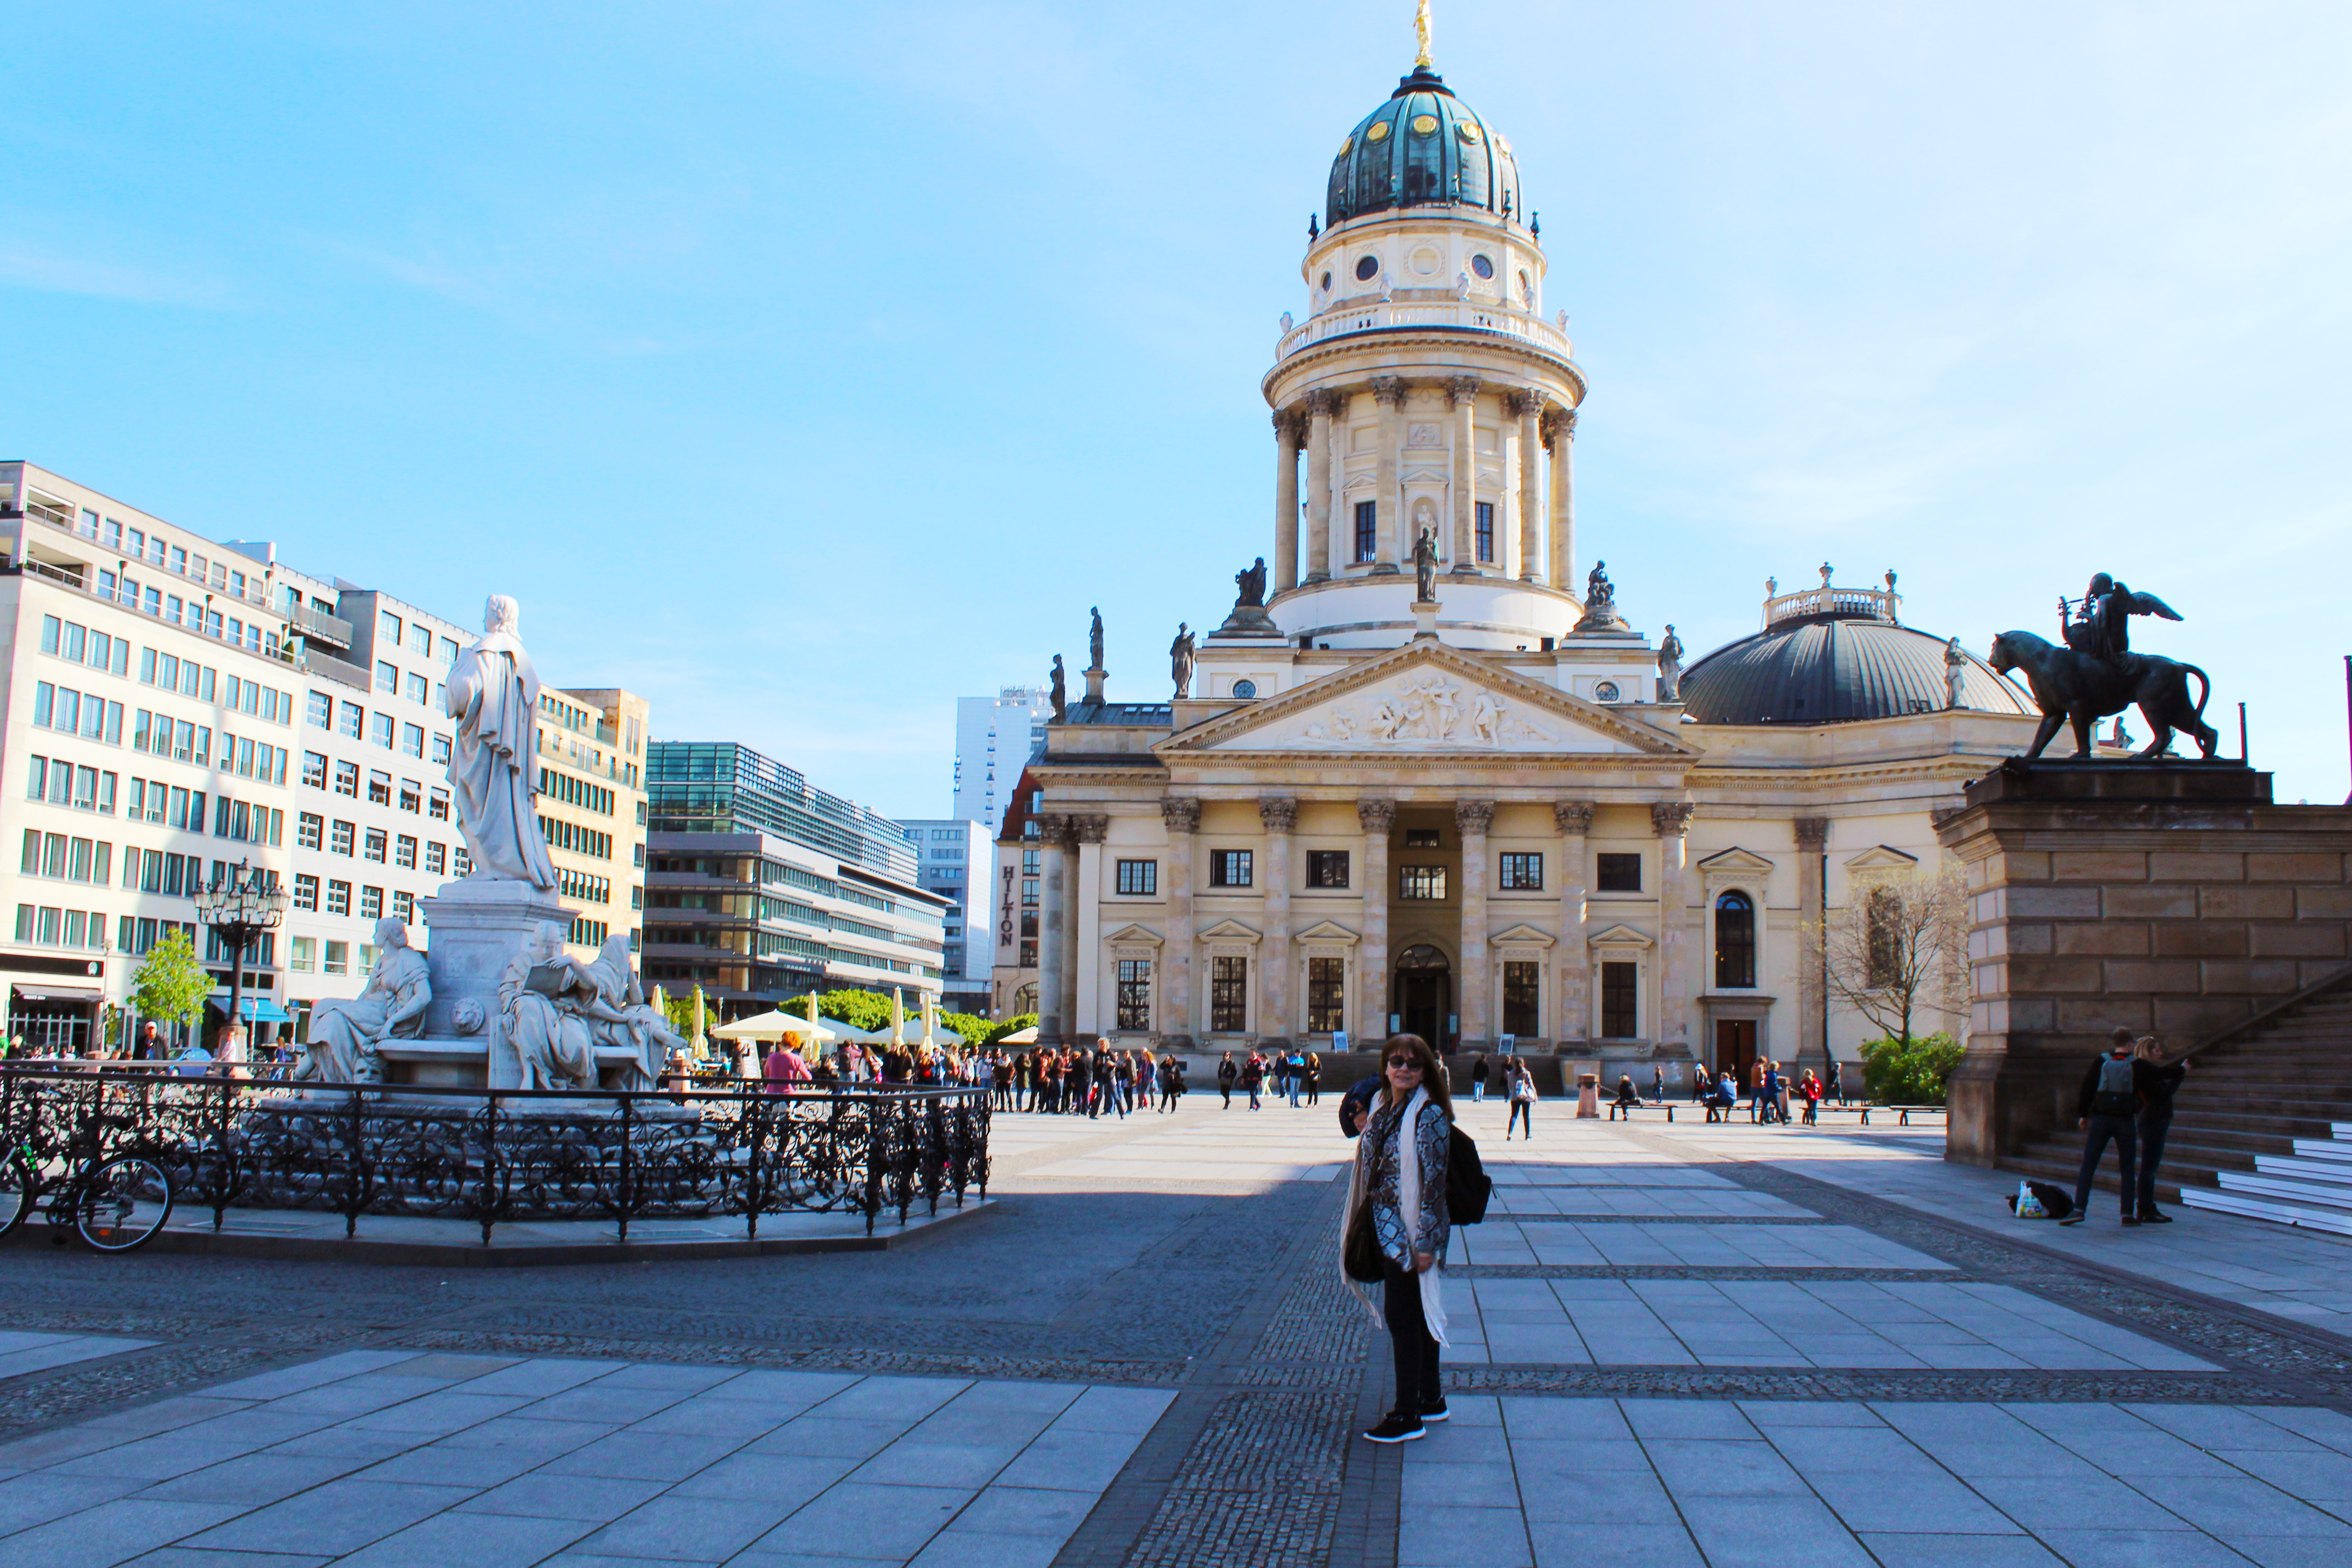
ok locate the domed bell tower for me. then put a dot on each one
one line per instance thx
(1425, 394)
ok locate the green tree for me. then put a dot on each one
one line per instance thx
(975, 1029)
(171, 986)
(858, 1009)
(1909, 1072)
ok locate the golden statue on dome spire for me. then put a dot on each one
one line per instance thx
(1421, 32)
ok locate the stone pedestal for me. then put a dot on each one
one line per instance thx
(476, 927)
(2170, 898)
(1424, 617)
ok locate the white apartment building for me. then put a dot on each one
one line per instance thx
(954, 859)
(994, 736)
(188, 704)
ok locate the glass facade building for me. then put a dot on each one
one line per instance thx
(696, 786)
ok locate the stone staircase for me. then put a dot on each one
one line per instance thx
(2263, 1125)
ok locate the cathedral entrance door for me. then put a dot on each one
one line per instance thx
(1735, 1050)
(1424, 993)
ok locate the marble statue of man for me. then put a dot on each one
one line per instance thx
(1424, 565)
(345, 1036)
(1956, 676)
(620, 1016)
(548, 1034)
(1095, 639)
(493, 694)
(1670, 667)
(1180, 661)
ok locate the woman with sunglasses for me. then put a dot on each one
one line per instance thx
(1398, 1191)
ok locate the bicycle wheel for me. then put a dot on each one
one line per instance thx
(20, 1193)
(120, 1205)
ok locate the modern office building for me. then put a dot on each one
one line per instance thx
(994, 736)
(176, 705)
(953, 858)
(759, 887)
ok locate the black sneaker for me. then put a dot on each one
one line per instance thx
(1395, 1428)
(1435, 1410)
(2075, 1218)
(2154, 1216)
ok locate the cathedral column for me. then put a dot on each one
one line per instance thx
(1182, 818)
(1285, 501)
(1389, 392)
(1377, 819)
(1462, 396)
(1052, 951)
(1810, 1047)
(1671, 821)
(1473, 818)
(1085, 902)
(1574, 819)
(1559, 427)
(1529, 408)
(1279, 815)
(1319, 468)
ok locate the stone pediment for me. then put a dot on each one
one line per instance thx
(1430, 699)
(1521, 936)
(1881, 858)
(1619, 936)
(1735, 860)
(1133, 936)
(1228, 931)
(1326, 931)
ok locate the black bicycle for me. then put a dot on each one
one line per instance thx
(114, 1205)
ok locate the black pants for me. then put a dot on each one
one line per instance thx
(2153, 1130)
(2096, 1130)
(1416, 1353)
(1522, 1117)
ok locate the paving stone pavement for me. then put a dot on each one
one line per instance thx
(1705, 1344)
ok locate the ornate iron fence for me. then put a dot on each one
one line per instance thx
(493, 1156)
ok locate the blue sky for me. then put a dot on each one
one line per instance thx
(804, 368)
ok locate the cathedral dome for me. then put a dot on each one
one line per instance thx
(1835, 657)
(1423, 147)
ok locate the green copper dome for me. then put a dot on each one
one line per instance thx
(1423, 147)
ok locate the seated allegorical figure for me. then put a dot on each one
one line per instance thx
(620, 1016)
(546, 1028)
(345, 1036)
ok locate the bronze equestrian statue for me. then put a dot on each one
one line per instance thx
(2097, 674)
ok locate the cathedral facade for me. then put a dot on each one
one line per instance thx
(1424, 777)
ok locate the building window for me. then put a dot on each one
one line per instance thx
(371, 903)
(305, 959)
(1523, 873)
(1367, 529)
(355, 720)
(1621, 873)
(1327, 867)
(1138, 878)
(1520, 993)
(309, 828)
(347, 779)
(1228, 995)
(405, 853)
(314, 769)
(1735, 942)
(1485, 530)
(379, 788)
(381, 731)
(343, 834)
(306, 891)
(1134, 992)
(338, 958)
(1230, 868)
(1029, 892)
(1618, 1020)
(387, 678)
(1422, 838)
(375, 844)
(1883, 918)
(1422, 884)
(1327, 995)
(436, 858)
(339, 902)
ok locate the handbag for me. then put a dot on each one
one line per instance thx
(1360, 1254)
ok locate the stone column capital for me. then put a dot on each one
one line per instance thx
(1090, 830)
(1325, 402)
(1813, 834)
(1389, 390)
(1523, 401)
(1460, 389)
(1376, 816)
(1572, 816)
(1054, 827)
(1290, 428)
(1181, 813)
(1671, 818)
(1278, 813)
(1474, 816)
(1559, 424)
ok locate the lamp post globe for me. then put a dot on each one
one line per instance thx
(242, 902)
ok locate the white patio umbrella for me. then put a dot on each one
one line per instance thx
(1027, 1037)
(776, 1026)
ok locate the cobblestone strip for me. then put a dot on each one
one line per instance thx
(1248, 1466)
(1829, 1383)
(1795, 1272)
(89, 1389)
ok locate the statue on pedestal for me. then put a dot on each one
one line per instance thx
(1670, 667)
(543, 998)
(1251, 581)
(1956, 675)
(2097, 673)
(1095, 642)
(1180, 661)
(620, 1016)
(1424, 567)
(1600, 602)
(1061, 693)
(493, 695)
(345, 1036)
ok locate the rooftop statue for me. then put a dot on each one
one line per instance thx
(2097, 674)
(1095, 640)
(1600, 602)
(1251, 581)
(1061, 693)
(1180, 661)
(1670, 667)
(493, 694)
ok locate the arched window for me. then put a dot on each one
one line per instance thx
(1735, 942)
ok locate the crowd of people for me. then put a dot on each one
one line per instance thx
(1772, 1094)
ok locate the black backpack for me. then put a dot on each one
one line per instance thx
(1467, 1185)
(2116, 1095)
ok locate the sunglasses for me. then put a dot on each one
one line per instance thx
(1405, 1062)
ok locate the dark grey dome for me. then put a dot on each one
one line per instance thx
(1834, 669)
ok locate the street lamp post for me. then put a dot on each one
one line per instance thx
(242, 904)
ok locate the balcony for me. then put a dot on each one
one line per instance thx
(319, 626)
(1451, 315)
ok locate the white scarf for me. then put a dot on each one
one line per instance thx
(1433, 1291)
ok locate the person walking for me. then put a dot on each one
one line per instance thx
(2107, 1108)
(1396, 1203)
(1835, 1090)
(1295, 1068)
(1812, 1088)
(1786, 1090)
(2163, 1082)
(1226, 1073)
(1523, 1103)
(1658, 1082)
(1479, 1079)
(1756, 1090)
(1314, 1079)
(1254, 1077)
